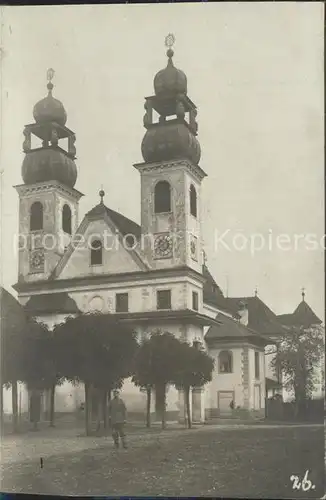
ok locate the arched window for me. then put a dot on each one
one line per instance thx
(162, 197)
(66, 219)
(225, 362)
(193, 201)
(96, 253)
(36, 216)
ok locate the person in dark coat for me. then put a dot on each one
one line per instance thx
(117, 418)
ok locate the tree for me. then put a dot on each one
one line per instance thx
(195, 370)
(41, 369)
(142, 376)
(97, 350)
(298, 354)
(156, 365)
(13, 321)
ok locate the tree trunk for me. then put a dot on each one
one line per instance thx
(164, 407)
(296, 402)
(148, 407)
(52, 407)
(187, 403)
(86, 406)
(14, 398)
(1, 408)
(108, 401)
(99, 407)
(104, 407)
(88, 409)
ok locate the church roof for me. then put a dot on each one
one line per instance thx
(260, 317)
(230, 329)
(124, 225)
(50, 303)
(212, 294)
(302, 316)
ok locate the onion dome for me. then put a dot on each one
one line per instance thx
(170, 141)
(170, 80)
(48, 165)
(50, 109)
(50, 162)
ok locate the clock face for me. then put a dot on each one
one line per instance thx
(193, 247)
(163, 246)
(37, 260)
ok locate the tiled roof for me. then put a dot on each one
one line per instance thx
(260, 317)
(212, 294)
(50, 303)
(232, 329)
(302, 316)
(124, 225)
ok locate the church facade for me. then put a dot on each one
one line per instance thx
(153, 275)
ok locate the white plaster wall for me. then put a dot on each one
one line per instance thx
(135, 399)
(198, 288)
(23, 402)
(142, 297)
(195, 333)
(68, 397)
(225, 381)
(259, 381)
(116, 258)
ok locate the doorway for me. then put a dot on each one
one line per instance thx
(224, 399)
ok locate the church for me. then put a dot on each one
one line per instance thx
(154, 275)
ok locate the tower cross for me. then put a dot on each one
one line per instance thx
(303, 293)
(169, 40)
(50, 74)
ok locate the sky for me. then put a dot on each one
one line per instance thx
(255, 72)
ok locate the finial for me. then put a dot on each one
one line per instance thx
(256, 292)
(49, 76)
(303, 290)
(102, 194)
(169, 42)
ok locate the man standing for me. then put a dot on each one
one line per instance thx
(117, 417)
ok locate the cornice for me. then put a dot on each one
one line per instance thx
(196, 170)
(25, 189)
(255, 341)
(74, 283)
(186, 316)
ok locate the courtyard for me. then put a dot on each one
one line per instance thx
(254, 461)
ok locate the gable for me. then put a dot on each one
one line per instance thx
(303, 316)
(116, 257)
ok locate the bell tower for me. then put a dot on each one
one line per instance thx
(48, 202)
(170, 175)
